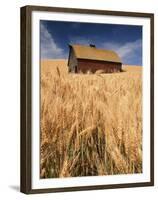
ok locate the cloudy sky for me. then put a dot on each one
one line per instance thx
(126, 40)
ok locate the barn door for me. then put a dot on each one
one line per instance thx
(76, 69)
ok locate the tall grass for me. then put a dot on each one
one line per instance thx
(90, 124)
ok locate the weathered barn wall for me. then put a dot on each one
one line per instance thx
(94, 65)
(72, 61)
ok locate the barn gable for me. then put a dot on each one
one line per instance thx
(72, 61)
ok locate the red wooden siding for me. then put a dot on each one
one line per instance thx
(94, 65)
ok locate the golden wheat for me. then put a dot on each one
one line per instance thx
(91, 124)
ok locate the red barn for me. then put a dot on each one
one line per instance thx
(89, 58)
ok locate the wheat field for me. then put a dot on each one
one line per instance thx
(91, 124)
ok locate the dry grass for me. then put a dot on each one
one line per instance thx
(90, 124)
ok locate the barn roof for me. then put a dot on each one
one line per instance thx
(93, 53)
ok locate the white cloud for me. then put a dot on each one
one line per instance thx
(80, 40)
(49, 49)
(129, 52)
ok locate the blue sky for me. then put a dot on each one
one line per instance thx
(126, 40)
